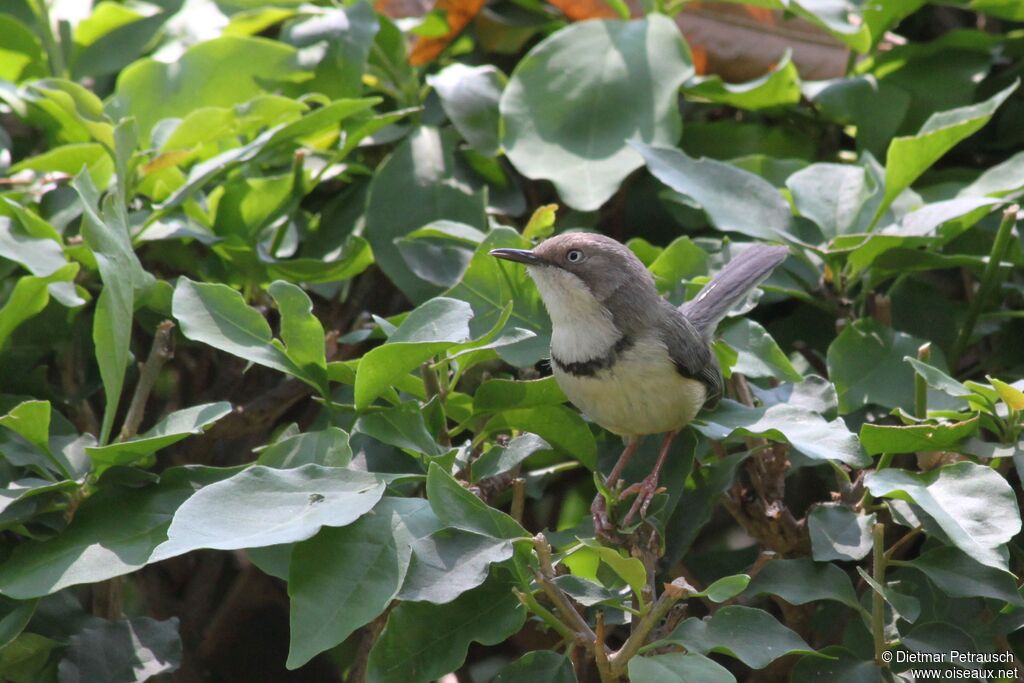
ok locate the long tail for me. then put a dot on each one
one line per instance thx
(732, 283)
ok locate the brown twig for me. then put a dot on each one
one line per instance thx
(370, 633)
(160, 352)
(678, 590)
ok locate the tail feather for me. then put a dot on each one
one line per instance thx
(732, 283)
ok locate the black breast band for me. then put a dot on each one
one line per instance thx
(591, 366)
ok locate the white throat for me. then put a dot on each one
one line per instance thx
(582, 328)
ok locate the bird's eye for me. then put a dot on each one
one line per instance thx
(574, 256)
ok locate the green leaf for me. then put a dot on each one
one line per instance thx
(496, 395)
(972, 504)
(29, 297)
(125, 651)
(839, 533)
(960, 576)
(456, 507)
(24, 57)
(937, 379)
(906, 607)
(803, 580)
(866, 364)
(726, 588)
(450, 562)
(542, 666)
(758, 354)
(402, 427)
(328, 447)
(1010, 395)
(842, 667)
(263, 506)
(567, 119)
(301, 332)
(31, 420)
(734, 200)
(360, 566)
(750, 635)
(777, 88)
(558, 425)
(423, 641)
(469, 96)
(500, 459)
(411, 188)
(173, 428)
(940, 436)
(489, 284)
(630, 569)
(214, 73)
(114, 532)
(345, 35)
(355, 257)
(910, 156)
(542, 222)
(676, 667)
(806, 430)
(216, 315)
(833, 196)
(587, 592)
(14, 617)
(123, 280)
(430, 329)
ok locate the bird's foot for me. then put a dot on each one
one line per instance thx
(645, 492)
(603, 526)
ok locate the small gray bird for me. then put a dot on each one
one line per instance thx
(630, 360)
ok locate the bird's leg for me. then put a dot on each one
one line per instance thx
(599, 508)
(646, 489)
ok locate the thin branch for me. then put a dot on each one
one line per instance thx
(604, 666)
(678, 590)
(545, 579)
(160, 352)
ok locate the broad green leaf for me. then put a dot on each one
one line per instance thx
(489, 284)
(813, 393)
(734, 200)
(496, 395)
(31, 420)
(123, 280)
(499, 459)
(676, 667)
(726, 588)
(832, 195)
(937, 379)
(542, 666)
(423, 641)
(758, 354)
(263, 506)
(587, 592)
(960, 576)
(560, 426)
(109, 49)
(328, 447)
(630, 569)
(214, 73)
(114, 532)
(216, 315)
(567, 119)
(23, 55)
(469, 96)
(301, 332)
(355, 257)
(998, 180)
(1010, 395)
(866, 364)
(456, 507)
(910, 156)
(806, 430)
(777, 88)
(402, 426)
(450, 562)
(681, 259)
(940, 436)
(802, 580)
(360, 566)
(125, 651)
(972, 504)
(906, 607)
(542, 223)
(750, 635)
(14, 617)
(839, 533)
(411, 188)
(430, 329)
(941, 638)
(173, 428)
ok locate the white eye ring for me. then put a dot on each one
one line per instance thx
(574, 256)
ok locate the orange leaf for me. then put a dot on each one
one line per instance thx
(166, 160)
(578, 10)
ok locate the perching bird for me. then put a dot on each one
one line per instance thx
(630, 360)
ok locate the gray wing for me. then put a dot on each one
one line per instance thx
(691, 353)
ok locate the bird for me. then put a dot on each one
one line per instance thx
(630, 360)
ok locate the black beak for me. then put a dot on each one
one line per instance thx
(520, 255)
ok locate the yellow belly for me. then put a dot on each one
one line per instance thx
(641, 394)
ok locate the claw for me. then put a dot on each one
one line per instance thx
(599, 513)
(645, 491)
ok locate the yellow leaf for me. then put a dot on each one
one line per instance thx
(1011, 396)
